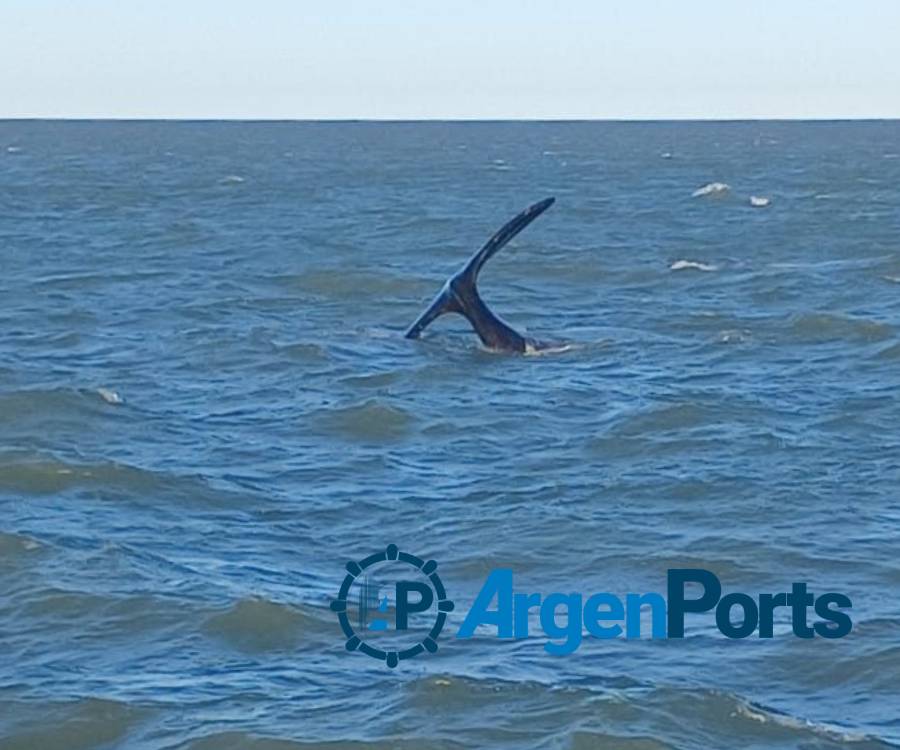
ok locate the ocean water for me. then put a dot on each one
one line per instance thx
(207, 407)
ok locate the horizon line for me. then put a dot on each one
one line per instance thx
(38, 118)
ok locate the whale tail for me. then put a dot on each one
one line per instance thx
(445, 302)
(460, 293)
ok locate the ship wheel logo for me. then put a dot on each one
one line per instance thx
(420, 606)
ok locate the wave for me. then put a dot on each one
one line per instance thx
(27, 405)
(821, 327)
(624, 715)
(587, 740)
(14, 547)
(692, 265)
(549, 350)
(890, 352)
(668, 426)
(92, 280)
(34, 473)
(110, 396)
(261, 625)
(735, 336)
(840, 264)
(77, 725)
(712, 190)
(100, 616)
(662, 418)
(302, 351)
(800, 726)
(442, 711)
(237, 740)
(372, 380)
(369, 421)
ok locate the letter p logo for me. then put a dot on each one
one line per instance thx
(405, 606)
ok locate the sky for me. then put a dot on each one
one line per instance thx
(450, 59)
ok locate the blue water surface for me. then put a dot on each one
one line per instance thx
(207, 407)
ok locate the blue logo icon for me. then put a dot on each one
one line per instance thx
(420, 606)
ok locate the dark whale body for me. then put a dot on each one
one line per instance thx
(460, 293)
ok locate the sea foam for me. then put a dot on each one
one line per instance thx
(713, 189)
(693, 265)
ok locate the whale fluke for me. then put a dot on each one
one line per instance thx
(460, 293)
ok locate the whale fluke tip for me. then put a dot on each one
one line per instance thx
(540, 206)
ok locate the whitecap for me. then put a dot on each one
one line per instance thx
(110, 396)
(13, 149)
(14, 544)
(892, 279)
(531, 351)
(712, 189)
(758, 201)
(693, 265)
(734, 336)
(829, 731)
(231, 179)
(666, 155)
